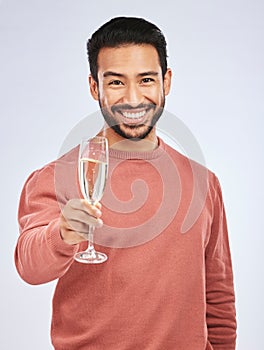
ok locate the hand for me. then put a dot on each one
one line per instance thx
(75, 219)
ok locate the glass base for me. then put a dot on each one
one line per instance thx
(90, 257)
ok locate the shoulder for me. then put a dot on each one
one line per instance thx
(46, 175)
(192, 171)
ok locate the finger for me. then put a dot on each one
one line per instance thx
(98, 205)
(94, 210)
(82, 227)
(76, 237)
(82, 216)
(80, 205)
(83, 236)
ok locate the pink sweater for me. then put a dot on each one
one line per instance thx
(167, 283)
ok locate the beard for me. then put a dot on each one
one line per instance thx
(134, 132)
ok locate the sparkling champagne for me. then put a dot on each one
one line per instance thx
(93, 175)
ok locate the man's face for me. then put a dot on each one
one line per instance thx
(130, 89)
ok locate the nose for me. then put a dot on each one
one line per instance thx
(133, 95)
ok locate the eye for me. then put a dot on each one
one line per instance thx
(115, 82)
(147, 80)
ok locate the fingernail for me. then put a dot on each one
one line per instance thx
(98, 212)
(99, 223)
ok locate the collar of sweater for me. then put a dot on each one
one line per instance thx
(156, 153)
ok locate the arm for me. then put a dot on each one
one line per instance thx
(51, 224)
(41, 255)
(220, 297)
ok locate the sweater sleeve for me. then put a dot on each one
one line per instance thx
(41, 255)
(220, 296)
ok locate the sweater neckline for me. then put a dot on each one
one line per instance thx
(156, 153)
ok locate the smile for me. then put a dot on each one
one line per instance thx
(136, 115)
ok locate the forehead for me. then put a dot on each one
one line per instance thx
(128, 59)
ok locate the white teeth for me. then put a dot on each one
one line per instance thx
(134, 115)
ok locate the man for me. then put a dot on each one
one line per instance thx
(162, 287)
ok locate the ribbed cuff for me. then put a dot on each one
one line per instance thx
(56, 243)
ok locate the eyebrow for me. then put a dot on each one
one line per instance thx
(115, 74)
(110, 73)
(152, 73)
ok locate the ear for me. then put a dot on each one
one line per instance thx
(167, 81)
(93, 88)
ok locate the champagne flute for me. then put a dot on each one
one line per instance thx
(93, 168)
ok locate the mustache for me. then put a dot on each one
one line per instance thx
(127, 106)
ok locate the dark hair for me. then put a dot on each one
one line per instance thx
(126, 30)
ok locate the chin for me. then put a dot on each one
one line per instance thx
(133, 133)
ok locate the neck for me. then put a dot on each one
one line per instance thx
(117, 142)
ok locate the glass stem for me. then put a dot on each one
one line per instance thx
(90, 250)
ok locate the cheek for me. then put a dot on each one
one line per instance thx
(109, 98)
(157, 95)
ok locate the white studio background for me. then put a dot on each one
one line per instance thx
(216, 53)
